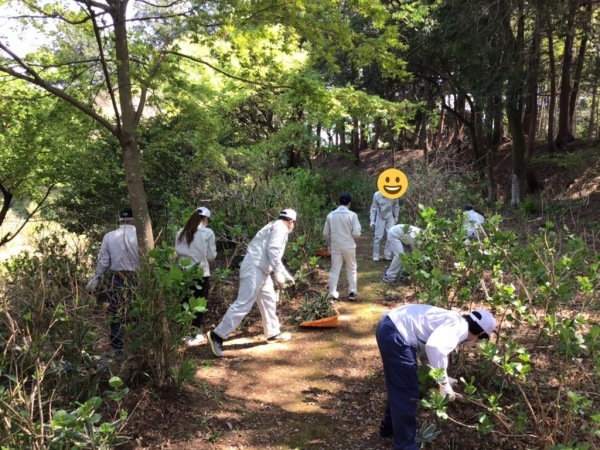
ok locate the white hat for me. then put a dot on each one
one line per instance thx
(204, 211)
(484, 319)
(288, 214)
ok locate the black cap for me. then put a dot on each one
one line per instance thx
(468, 208)
(345, 199)
(125, 214)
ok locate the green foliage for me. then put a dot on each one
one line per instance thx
(156, 321)
(48, 358)
(80, 429)
(427, 433)
(314, 307)
(527, 281)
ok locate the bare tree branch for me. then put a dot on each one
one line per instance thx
(10, 236)
(31, 76)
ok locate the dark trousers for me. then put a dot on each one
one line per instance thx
(119, 293)
(199, 289)
(400, 372)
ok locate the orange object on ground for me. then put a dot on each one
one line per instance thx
(322, 252)
(326, 322)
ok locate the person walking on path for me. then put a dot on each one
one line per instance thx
(195, 242)
(341, 229)
(384, 215)
(264, 255)
(473, 223)
(401, 334)
(119, 255)
(402, 238)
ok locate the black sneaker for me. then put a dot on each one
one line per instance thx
(215, 342)
(385, 431)
(352, 297)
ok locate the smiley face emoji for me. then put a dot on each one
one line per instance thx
(392, 183)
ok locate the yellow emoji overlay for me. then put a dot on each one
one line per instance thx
(392, 183)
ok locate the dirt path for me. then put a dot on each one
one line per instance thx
(321, 390)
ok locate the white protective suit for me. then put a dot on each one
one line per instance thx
(433, 332)
(473, 223)
(341, 228)
(201, 250)
(399, 237)
(384, 215)
(256, 285)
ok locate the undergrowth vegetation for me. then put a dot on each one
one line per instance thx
(533, 384)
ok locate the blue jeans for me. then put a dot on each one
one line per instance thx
(402, 384)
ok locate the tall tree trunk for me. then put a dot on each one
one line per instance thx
(498, 136)
(341, 133)
(364, 144)
(552, 97)
(424, 132)
(377, 133)
(579, 70)
(531, 110)
(564, 130)
(592, 122)
(355, 141)
(127, 137)
(318, 131)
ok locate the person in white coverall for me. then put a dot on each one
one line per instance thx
(264, 255)
(473, 223)
(402, 238)
(384, 215)
(429, 331)
(341, 228)
(195, 242)
(119, 255)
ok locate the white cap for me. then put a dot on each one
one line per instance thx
(484, 319)
(204, 211)
(288, 214)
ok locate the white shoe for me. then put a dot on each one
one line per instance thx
(281, 337)
(334, 295)
(387, 258)
(388, 279)
(375, 258)
(195, 341)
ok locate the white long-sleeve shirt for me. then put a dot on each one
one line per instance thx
(341, 228)
(384, 208)
(119, 251)
(406, 233)
(201, 250)
(267, 247)
(473, 223)
(436, 331)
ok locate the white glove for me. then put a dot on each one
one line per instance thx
(289, 278)
(280, 279)
(447, 391)
(92, 285)
(452, 381)
(372, 224)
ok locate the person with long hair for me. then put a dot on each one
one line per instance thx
(195, 244)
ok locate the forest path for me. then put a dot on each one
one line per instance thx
(321, 390)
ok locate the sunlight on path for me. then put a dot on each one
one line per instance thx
(306, 377)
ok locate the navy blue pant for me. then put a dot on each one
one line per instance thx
(400, 372)
(119, 292)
